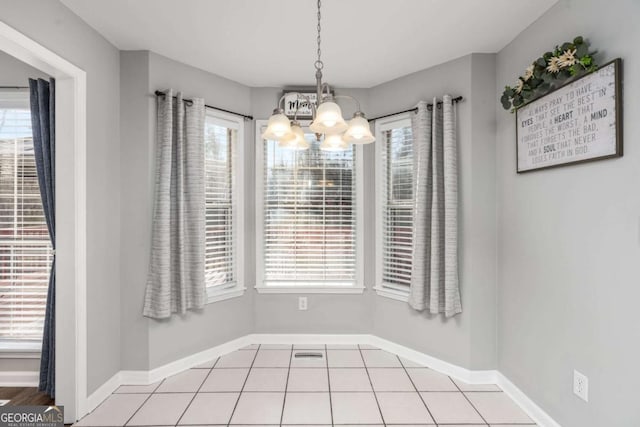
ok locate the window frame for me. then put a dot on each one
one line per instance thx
(382, 288)
(230, 121)
(358, 286)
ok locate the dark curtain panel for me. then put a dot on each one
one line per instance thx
(43, 120)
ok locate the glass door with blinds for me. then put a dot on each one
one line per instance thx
(25, 248)
(308, 218)
(394, 216)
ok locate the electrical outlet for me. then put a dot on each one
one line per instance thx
(581, 385)
(302, 303)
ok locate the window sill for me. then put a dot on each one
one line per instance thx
(391, 293)
(216, 296)
(20, 350)
(310, 289)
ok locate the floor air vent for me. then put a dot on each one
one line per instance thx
(308, 355)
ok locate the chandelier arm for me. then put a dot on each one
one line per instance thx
(328, 88)
(351, 98)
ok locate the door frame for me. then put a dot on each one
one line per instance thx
(71, 216)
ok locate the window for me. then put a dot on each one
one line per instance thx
(25, 247)
(223, 203)
(308, 225)
(394, 185)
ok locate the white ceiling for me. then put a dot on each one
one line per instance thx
(272, 42)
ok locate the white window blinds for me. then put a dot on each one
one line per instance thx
(25, 248)
(220, 162)
(396, 162)
(309, 217)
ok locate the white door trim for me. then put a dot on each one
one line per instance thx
(71, 212)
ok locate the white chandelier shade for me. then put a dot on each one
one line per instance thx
(295, 139)
(277, 127)
(328, 119)
(333, 142)
(358, 131)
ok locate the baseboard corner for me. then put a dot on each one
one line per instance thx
(535, 412)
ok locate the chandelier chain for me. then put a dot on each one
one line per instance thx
(319, 64)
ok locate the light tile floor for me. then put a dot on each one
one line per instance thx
(268, 386)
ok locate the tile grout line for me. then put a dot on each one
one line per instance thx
(375, 396)
(465, 396)
(243, 384)
(197, 391)
(143, 403)
(416, 389)
(307, 391)
(326, 360)
(286, 385)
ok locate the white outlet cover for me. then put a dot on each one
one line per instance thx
(581, 385)
(302, 303)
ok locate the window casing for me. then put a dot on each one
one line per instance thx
(224, 138)
(25, 247)
(308, 218)
(394, 206)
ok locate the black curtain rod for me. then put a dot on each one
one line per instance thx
(14, 87)
(453, 101)
(159, 93)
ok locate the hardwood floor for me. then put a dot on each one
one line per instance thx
(21, 396)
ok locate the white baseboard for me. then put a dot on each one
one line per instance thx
(157, 374)
(177, 366)
(19, 378)
(104, 391)
(458, 372)
(469, 376)
(535, 412)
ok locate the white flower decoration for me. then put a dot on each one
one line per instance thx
(528, 73)
(568, 58)
(554, 65)
(519, 86)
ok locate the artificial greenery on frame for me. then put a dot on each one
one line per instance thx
(549, 71)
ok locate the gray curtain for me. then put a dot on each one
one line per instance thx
(434, 274)
(175, 282)
(43, 124)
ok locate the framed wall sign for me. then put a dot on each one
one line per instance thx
(575, 123)
(293, 101)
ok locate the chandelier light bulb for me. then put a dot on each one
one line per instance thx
(358, 131)
(277, 127)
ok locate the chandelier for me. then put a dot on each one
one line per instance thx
(327, 121)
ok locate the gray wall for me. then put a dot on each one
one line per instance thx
(568, 241)
(469, 338)
(57, 28)
(136, 204)
(14, 72)
(146, 343)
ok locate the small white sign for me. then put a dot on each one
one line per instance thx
(575, 123)
(293, 101)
